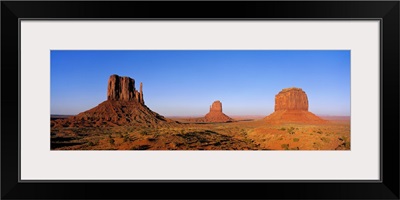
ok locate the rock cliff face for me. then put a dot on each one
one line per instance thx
(291, 99)
(124, 106)
(123, 89)
(216, 107)
(291, 106)
(216, 114)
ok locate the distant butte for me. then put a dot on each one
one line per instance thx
(291, 106)
(216, 114)
(124, 106)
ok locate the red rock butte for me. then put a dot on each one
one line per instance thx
(216, 114)
(124, 106)
(123, 89)
(291, 106)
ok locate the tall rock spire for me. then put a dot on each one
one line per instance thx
(141, 100)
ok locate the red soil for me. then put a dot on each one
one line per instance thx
(293, 116)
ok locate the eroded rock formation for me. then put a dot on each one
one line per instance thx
(216, 114)
(216, 107)
(291, 106)
(123, 89)
(124, 105)
(291, 99)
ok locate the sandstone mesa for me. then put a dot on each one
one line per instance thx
(291, 106)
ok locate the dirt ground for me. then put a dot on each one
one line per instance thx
(243, 134)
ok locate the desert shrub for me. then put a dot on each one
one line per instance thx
(285, 146)
(202, 140)
(126, 138)
(291, 130)
(120, 135)
(112, 141)
(319, 132)
(283, 129)
(90, 143)
(295, 139)
(324, 139)
(143, 132)
(346, 142)
(248, 140)
(296, 148)
(143, 147)
(316, 145)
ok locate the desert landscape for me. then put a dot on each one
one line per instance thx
(124, 122)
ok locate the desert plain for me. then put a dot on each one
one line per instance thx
(124, 122)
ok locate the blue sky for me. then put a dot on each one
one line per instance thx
(186, 82)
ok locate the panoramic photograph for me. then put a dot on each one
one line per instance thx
(200, 100)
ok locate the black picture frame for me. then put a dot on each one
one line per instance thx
(386, 11)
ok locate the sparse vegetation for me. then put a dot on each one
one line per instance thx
(90, 144)
(324, 139)
(285, 146)
(112, 141)
(346, 142)
(244, 135)
(127, 138)
(143, 132)
(291, 130)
